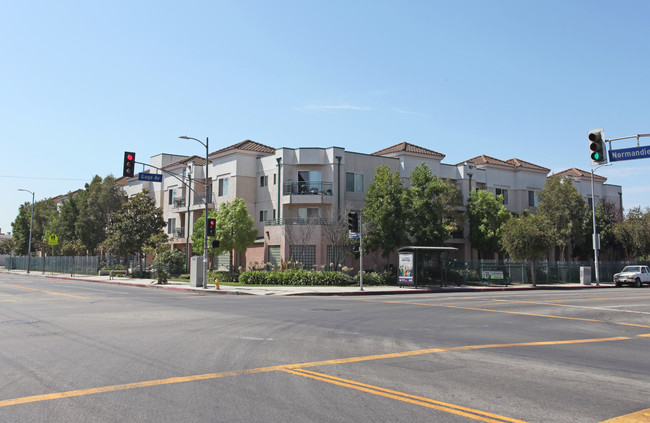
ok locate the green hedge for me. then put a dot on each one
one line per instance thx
(296, 277)
(377, 279)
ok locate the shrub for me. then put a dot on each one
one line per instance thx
(295, 277)
(171, 261)
(377, 279)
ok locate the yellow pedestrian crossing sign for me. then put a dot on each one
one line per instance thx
(53, 240)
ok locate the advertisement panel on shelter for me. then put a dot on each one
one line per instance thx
(405, 275)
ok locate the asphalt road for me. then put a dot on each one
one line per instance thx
(85, 352)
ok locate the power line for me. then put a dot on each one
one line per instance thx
(42, 177)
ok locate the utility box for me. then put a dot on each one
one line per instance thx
(196, 271)
(585, 275)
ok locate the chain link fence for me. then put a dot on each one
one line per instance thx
(83, 265)
(545, 271)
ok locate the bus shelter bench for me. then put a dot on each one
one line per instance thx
(113, 273)
(494, 277)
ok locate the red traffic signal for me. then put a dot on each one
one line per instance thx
(212, 227)
(129, 164)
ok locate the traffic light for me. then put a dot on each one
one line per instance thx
(212, 227)
(129, 164)
(353, 222)
(215, 243)
(597, 147)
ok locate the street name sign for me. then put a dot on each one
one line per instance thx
(151, 177)
(629, 153)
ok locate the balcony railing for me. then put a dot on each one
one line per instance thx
(307, 188)
(300, 221)
(178, 203)
(179, 233)
(200, 199)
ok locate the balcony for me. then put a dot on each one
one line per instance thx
(199, 200)
(308, 192)
(300, 221)
(179, 233)
(179, 203)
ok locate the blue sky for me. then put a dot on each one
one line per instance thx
(83, 81)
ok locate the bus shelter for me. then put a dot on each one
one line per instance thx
(424, 265)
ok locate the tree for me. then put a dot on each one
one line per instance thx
(562, 205)
(235, 229)
(487, 215)
(384, 217)
(337, 236)
(44, 213)
(634, 232)
(430, 206)
(134, 226)
(96, 204)
(7, 246)
(527, 237)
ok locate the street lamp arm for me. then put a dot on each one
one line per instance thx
(185, 137)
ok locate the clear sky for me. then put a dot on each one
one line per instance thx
(83, 81)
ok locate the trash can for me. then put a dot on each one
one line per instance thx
(585, 275)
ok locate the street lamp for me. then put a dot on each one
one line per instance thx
(593, 214)
(31, 225)
(205, 229)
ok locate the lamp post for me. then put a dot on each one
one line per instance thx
(595, 240)
(31, 225)
(205, 229)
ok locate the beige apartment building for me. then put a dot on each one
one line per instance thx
(296, 196)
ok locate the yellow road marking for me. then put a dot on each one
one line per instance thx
(642, 416)
(48, 292)
(401, 396)
(112, 388)
(582, 319)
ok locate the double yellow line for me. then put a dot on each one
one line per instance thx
(401, 396)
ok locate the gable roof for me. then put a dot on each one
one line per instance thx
(487, 160)
(247, 145)
(408, 148)
(578, 173)
(527, 165)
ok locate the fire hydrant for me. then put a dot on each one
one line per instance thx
(216, 284)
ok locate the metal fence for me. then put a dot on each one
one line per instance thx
(84, 265)
(545, 271)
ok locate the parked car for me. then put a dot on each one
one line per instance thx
(633, 275)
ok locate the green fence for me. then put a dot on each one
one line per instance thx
(84, 265)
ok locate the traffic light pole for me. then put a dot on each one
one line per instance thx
(595, 240)
(360, 251)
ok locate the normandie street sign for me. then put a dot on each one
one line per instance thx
(629, 153)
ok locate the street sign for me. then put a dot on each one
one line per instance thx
(629, 153)
(353, 235)
(53, 239)
(151, 177)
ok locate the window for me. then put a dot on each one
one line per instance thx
(171, 225)
(264, 180)
(308, 212)
(590, 202)
(263, 215)
(304, 254)
(309, 181)
(223, 186)
(532, 199)
(504, 192)
(353, 182)
(172, 196)
(273, 214)
(274, 178)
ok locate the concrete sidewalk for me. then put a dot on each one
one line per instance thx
(301, 290)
